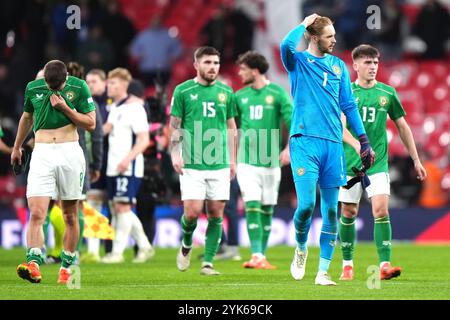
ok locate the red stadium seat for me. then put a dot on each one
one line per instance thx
(438, 69)
(437, 99)
(437, 144)
(424, 80)
(140, 12)
(412, 100)
(401, 74)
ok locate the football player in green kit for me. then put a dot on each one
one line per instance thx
(261, 106)
(202, 130)
(375, 101)
(53, 106)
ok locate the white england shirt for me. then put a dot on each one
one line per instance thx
(127, 119)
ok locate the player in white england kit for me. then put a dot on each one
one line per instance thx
(127, 128)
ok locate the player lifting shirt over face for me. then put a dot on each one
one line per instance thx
(54, 106)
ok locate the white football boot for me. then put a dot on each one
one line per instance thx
(111, 258)
(184, 258)
(298, 265)
(144, 255)
(324, 279)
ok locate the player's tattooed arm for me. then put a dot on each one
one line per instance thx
(175, 135)
(175, 143)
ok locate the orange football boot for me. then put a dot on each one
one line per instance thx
(64, 276)
(347, 273)
(29, 271)
(264, 264)
(387, 272)
(254, 261)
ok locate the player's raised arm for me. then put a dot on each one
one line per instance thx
(290, 42)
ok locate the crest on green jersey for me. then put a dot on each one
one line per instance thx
(383, 100)
(269, 99)
(222, 97)
(70, 95)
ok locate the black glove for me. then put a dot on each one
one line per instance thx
(366, 153)
(360, 176)
(26, 156)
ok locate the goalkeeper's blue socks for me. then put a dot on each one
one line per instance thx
(328, 235)
(306, 197)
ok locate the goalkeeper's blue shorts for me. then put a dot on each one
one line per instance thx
(317, 159)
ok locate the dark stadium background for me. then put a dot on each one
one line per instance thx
(414, 44)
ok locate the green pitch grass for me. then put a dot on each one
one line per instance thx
(426, 275)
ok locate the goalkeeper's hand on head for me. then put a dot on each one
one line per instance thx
(366, 153)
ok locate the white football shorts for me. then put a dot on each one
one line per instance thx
(259, 183)
(379, 184)
(205, 184)
(56, 170)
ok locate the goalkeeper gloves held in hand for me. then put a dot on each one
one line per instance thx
(366, 153)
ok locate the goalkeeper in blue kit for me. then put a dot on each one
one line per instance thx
(320, 86)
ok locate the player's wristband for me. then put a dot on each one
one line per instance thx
(363, 140)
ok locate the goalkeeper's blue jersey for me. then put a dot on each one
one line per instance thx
(321, 90)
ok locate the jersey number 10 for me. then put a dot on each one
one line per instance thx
(256, 112)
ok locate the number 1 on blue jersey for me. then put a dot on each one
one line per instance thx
(325, 78)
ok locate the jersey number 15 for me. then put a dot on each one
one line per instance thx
(208, 109)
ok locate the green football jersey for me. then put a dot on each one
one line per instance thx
(37, 101)
(204, 111)
(1, 133)
(374, 105)
(260, 113)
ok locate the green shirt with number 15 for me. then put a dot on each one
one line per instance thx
(204, 111)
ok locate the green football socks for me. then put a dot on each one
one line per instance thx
(213, 237)
(382, 233)
(81, 223)
(67, 259)
(188, 228)
(266, 223)
(35, 255)
(254, 226)
(347, 235)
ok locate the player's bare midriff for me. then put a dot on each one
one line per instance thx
(59, 135)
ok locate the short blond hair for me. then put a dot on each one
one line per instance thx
(316, 28)
(120, 73)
